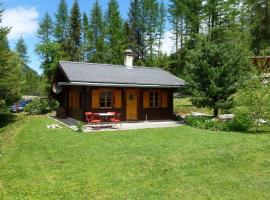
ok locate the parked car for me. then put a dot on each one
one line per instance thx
(19, 106)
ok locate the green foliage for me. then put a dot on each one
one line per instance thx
(10, 71)
(214, 72)
(46, 28)
(30, 80)
(74, 37)
(253, 100)
(96, 34)
(114, 35)
(40, 106)
(61, 22)
(240, 123)
(80, 127)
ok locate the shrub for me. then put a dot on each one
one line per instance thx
(241, 122)
(80, 127)
(40, 106)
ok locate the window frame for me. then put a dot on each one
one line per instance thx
(106, 99)
(154, 99)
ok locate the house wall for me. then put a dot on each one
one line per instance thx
(89, 100)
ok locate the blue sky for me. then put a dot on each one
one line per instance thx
(23, 16)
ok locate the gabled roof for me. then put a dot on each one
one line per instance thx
(93, 74)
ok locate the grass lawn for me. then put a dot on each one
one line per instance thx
(184, 106)
(169, 163)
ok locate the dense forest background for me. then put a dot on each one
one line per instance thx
(102, 36)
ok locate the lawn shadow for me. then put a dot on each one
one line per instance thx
(7, 118)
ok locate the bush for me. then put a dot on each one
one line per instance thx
(40, 106)
(80, 126)
(241, 122)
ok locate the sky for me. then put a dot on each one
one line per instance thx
(23, 17)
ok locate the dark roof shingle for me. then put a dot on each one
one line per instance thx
(118, 74)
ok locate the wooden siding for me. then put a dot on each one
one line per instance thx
(89, 101)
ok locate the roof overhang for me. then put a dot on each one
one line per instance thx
(127, 85)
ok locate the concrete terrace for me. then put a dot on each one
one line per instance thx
(71, 123)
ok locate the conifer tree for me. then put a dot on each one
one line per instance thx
(214, 72)
(29, 78)
(9, 70)
(75, 28)
(49, 51)
(21, 50)
(61, 23)
(45, 31)
(96, 36)
(61, 27)
(161, 26)
(136, 23)
(85, 37)
(151, 15)
(178, 20)
(114, 33)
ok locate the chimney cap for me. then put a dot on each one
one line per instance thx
(129, 52)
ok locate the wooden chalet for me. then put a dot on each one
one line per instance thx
(137, 93)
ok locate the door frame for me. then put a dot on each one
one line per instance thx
(136, 93)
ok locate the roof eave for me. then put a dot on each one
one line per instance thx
(118, 85)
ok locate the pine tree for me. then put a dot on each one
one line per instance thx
(260, 30)
(61, 28)
(49, 51)
(177, 19)
(29, 78)
(61, 24)
(136, 21)
(96, 36)
(74, 40)
(21, 50)
(45, 31)
(114, 33)
(150, 10)
(9, 70)
(214, 72)
(85, 37)
(161, 26)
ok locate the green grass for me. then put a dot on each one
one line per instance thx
(184, 106)
(169, 163)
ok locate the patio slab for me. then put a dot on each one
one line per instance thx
(71, 123)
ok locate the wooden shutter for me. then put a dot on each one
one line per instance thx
(117, 98)
(146, 99)
(164, 99)
(95, 98)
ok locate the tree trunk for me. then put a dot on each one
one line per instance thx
(215, 112)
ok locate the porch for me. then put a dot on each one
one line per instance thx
(126, 125)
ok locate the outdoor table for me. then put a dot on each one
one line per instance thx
(104, 117)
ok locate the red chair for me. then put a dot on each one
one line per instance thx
(115, 119)
(88, 117)
(92, 119)
(95, 120)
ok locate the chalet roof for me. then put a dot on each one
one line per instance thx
(93, 74)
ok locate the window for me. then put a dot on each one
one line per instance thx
(105, 99)
(74, 99)
(154, 99)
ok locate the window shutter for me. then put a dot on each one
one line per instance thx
(95, 98)
(164, 99)
(117, 98)
(146, 99)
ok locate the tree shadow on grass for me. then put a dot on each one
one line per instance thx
(7, 118)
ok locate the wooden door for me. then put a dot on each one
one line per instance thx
(131, 104)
